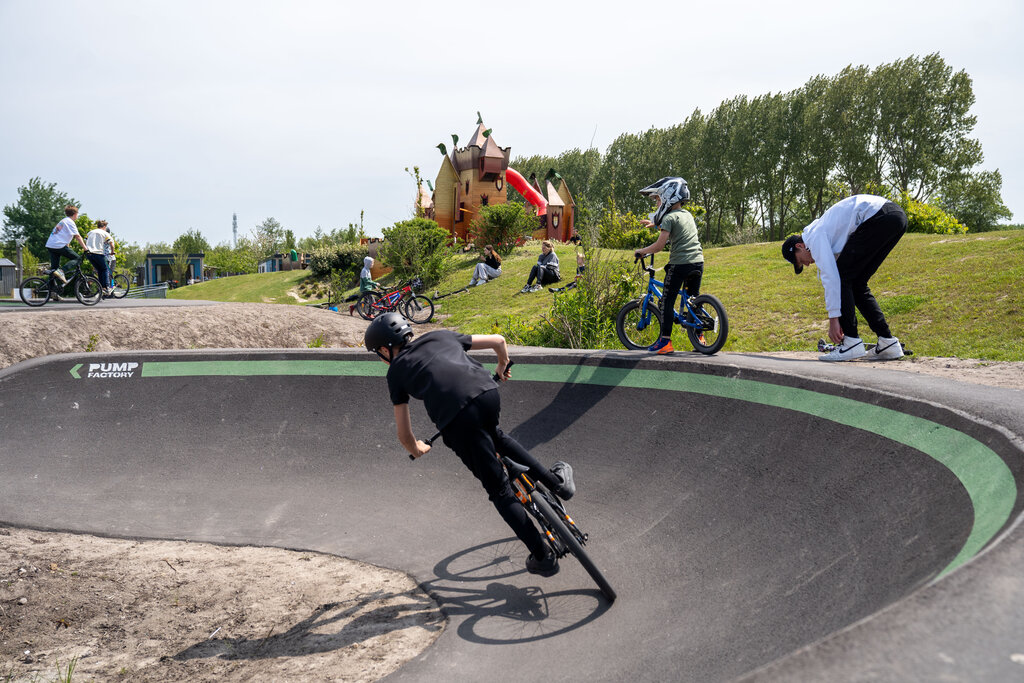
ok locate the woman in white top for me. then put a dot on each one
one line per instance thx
(95, 244)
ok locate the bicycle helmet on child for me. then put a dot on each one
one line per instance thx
(671, 190)
(390, 330)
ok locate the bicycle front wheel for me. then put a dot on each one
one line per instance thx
(713, 330)
(364, 307)
(35, 291)
(121, 286)
(636, 329)
(419, 309)
(573, 545)
(88, 290)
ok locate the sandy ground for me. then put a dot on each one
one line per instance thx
(168, 611)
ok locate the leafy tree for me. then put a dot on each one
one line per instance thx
(975, 200)
(191, 242)
(228, 259)
(40, 206)
(923, 123)
(267, 238)
(504, 226)
(417, 247)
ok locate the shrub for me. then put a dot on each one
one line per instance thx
(417, 248)
(928, 218)
(582, 317)
(503, 225)
(346, 259)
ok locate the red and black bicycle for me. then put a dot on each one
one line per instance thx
(404, 299)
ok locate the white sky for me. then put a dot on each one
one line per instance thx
(170, 115)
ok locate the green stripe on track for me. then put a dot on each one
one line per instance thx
(986, 478)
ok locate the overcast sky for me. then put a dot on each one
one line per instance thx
(165, 116)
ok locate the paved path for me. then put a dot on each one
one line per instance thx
(759, 517)
(72, 304)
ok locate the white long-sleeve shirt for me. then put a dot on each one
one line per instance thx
(826, 237)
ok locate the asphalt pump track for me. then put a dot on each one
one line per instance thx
(761, 519)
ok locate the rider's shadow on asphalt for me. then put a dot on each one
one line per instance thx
(572, 400)
(368, 616)
(475, 591)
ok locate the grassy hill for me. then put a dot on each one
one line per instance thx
(943, 295)
(270, 288)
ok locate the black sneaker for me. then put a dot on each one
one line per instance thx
(546, 567)
(563, 472)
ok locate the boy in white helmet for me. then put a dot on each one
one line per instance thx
(685, 265)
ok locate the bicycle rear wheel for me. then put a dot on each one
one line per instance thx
(121, 286)
(88, 290)
(573, 545)
(35, 291)
(710, 337)
(419, 309)
(636, 330)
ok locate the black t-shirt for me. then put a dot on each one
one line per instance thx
(435, 369)
(492, 261)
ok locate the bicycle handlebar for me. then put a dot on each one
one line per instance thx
(431, 440)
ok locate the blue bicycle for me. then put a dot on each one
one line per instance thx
(703, 317)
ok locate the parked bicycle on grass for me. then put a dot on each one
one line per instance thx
(402, 299)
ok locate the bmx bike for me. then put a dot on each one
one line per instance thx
(404, 299)
(559, 529)
(638, 323)
(36, 291)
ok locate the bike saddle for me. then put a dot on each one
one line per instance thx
(514, 468)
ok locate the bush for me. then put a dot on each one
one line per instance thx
(582, 317)
(346, 259)
(928, 218)
(417, 248)
(504, 226)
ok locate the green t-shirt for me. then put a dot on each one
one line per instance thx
(683, 241)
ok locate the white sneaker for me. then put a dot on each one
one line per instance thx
(887, 348)
(852, 348)
(536, 288)
(59, 274)
(525, 289)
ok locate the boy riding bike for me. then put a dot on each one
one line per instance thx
(686, 258)
(462, 400)
(57, 244)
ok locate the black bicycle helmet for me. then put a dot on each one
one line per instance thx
(390, 330)
(671, 190)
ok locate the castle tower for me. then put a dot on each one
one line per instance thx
(470, 177)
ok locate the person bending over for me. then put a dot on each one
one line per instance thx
(462, 400)
(848, 243)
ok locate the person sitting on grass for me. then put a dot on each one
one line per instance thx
(545, 271)
(462, 400)
(488, 269)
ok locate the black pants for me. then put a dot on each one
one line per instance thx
(66, 252)
(686, 276)
(863, 253)
(543, 275)
(475, 437)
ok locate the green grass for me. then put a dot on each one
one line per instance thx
(943, 295)
(269, 288)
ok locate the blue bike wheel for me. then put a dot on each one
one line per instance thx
(638, 327)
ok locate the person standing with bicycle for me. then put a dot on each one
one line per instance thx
(57, 244)
(685, 266)
(462, 400)
(848, 243)
(96, 244)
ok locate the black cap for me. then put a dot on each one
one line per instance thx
(789, 251)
